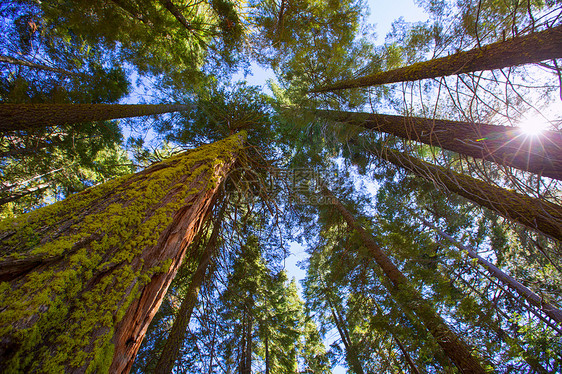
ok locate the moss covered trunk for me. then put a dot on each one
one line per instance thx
(408, 296)
(81, 279)
(504, 145)
(527, 49)
(536, 214)
(29, 116)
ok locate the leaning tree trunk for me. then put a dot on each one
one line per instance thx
(350, 350)
(407, 295)
(171, 350)
(539, 215)
(81, 279)
(33, 65)
(30, 116)
(532, 298)
(531, 48)
(504, 145)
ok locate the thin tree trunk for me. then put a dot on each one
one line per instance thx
(407, 295)
(18, 195)
(248, 348)
(407, 357)
(504, 145)
(511, 342)
(82, 279)
(176, 13)
(409, 361)
(29, 116)
(171, 350)
(534, 213)
(527, 49)
(266, 351)
(351, 355)
(15, 61)
(531, 297)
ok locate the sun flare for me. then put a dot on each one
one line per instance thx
(533, 126)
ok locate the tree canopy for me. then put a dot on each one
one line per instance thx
(153, 203)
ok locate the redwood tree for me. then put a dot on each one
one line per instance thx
(81, 279)
(540, 215)
(504, 145)
(404, 292)
(527, 49)
(29, 116)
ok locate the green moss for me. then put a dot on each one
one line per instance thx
(93, 276)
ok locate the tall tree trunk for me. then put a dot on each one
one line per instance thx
(14, 196)
(514, 345)
(171, 349)
(526, 49)
(350, 352)
(248, 346)
(82, 279)
(29, 116)
(411, 364)
(407, 295)
(531, 297)
(534, 213)
(504, 145)
(15, 61)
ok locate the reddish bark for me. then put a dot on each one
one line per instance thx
(82, 278)
(541, 154)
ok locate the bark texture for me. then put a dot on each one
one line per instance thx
(173, 344)
(29, 116)
(81, 279)
(527, 49)
(536, 214)
(504, 145)
(407, 295)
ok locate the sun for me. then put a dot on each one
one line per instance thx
(533, 126)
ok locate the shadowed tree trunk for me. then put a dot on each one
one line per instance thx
(29, 116)
(504, 145)
(339, 321)
(175, 339)
(15, 61)
(170, 6)
(531, 297)
(526, 49)
(82, 279)
(19, 194)
(534, 213)
(407, 295)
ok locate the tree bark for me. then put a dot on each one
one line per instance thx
(527, 49)
(536, 214)
(504, 145)
(83, 278)
(15, 61)
(531, 297)
(407, 295)
(170, 6)
(29, 116)
(171, 350)
(19, 194)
